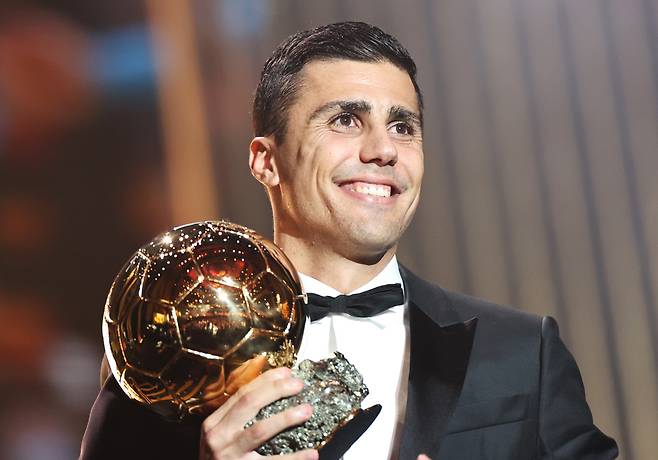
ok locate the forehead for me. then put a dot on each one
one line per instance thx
(382, 84)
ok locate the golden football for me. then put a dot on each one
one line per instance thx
(195, 310)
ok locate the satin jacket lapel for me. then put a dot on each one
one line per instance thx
(439, 353)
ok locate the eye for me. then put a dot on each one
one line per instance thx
(345, 121)
(402, 128)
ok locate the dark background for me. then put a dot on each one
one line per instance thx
(120, 119)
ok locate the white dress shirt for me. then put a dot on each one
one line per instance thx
(378, 347)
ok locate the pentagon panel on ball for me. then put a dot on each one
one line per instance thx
(191, 309)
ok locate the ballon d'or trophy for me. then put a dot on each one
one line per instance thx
(203, 309)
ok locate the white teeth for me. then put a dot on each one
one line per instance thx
(373, 189)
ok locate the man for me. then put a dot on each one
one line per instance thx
(338, 146)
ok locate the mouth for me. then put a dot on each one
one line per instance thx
(376, 190)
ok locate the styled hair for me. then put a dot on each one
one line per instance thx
(280, 79)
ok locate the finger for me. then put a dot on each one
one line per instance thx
(257, 386)
(250, 401)
(307, 454)
(423, 457)
(226, 426)
(217, 394)
(254, 436)
(263, 380)
(244, 374)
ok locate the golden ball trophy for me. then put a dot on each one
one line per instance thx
(204, 308)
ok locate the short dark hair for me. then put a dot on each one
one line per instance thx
(279, 80)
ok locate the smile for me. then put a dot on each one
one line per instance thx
(369, 189)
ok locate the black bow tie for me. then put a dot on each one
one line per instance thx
(362, 305)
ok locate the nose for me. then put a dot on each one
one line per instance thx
(379, 148)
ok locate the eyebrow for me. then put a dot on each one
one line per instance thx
(398, 112)
(358, 106)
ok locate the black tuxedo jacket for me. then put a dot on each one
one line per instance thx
(485, 382)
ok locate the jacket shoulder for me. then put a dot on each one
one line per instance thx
(491, 312)
(433, 297)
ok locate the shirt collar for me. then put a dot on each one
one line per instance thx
(389, 275)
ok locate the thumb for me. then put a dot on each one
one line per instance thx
(423, 457)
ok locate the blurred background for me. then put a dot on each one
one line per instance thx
(121, 119)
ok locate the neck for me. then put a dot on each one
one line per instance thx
(342, 273)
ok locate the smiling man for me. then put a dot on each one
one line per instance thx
(344, 177)
(338, 122)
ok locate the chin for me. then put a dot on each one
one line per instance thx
(369, 248)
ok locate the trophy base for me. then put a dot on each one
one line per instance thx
(335, 389)
(346, 435)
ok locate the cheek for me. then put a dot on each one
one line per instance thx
(340, 145)
(413, 165)
(419, 164)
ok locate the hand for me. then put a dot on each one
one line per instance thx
(423, 457)
(223, 435)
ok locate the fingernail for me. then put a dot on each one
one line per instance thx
(296, 383)
(304, 410)
(283, 372)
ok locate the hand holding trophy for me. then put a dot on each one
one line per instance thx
(200, 311)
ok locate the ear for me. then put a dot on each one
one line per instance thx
(262, 162)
